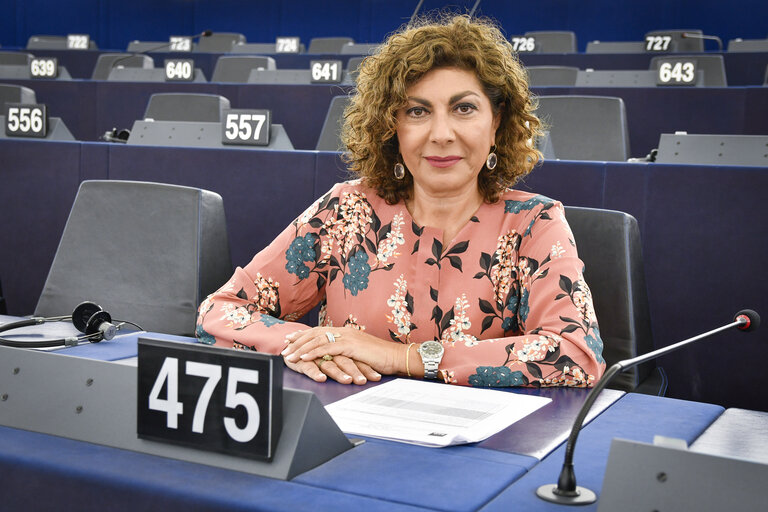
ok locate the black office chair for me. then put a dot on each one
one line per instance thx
(609, 244)
(713, 67)
(680, 43)
(328, 44)
(106, 62)
(220, 42)
(586, 127)
(329, 139)
(554, 41)
(544, 76)
(236, 69)
(148, 253)
(15, 94)
(180, 106)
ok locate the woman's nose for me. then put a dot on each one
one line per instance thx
(441, 129)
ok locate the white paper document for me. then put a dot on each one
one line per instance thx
(430, 413)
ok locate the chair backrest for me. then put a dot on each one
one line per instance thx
(178, 106)
(609, 244)
(680, 43)
(328, 44)
(45, 42)
(15, 94)
(359, 48)
(353, 65)
(237, 68)
(747, 45)
(220, 42)
(15, 58)
(554, 41)
(586, 127)
(616, 78)
(615, 47)
(329, 139)
(713, 67)
(107, 61)
(543, 76)
(147, 252)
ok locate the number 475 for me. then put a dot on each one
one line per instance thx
(169, 376)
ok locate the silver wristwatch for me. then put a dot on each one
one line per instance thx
(431, 353)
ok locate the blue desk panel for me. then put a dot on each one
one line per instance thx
(301, 109)
(634, 417)
(741, 68)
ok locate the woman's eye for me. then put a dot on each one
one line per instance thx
(465, 108)
(416, 111)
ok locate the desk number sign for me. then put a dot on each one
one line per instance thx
(179, 70)
(658, 43)
(246, 127)
(180, 43)
(676, 72)
(326, 71)
(44, 67)
(78, 41)
(26, 120)
(287, 45)
(209, 398)
(523, 44)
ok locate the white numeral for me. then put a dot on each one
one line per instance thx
(213, 373)
(679, 72)
(169, 374)
(657, 43)
(523, 44)
(238, 398)
(325, 71)
(244, 129)
(13, 119)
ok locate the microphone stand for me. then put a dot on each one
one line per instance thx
(204, 33)
(566, 492)
(690, 35)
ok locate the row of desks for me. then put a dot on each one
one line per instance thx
(90, 108)
(702, 230)
(740, 68)
(497, 474)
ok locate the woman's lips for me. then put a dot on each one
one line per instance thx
(442, 161)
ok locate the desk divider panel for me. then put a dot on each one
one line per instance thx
(95, 401)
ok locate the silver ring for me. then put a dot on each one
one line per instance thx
(331, 337)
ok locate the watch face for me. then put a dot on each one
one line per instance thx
(431, 349)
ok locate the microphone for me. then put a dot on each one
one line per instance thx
(692, 35)
(566, 492)
(415, 12)
(474, 7)
(204, 33)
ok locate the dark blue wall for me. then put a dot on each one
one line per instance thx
(112, 23)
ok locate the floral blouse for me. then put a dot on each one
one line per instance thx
(506, 297)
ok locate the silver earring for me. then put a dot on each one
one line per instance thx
(399, 171)
(492, 159)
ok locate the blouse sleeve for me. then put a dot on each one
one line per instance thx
(260, 303)
(553, 335)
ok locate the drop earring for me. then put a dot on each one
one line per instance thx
(399, 171)
(492, 159)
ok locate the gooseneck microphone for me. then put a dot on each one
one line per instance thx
(204, 33)
(474, 8)
(566, 492)
(693, 35)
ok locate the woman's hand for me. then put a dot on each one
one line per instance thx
(310, 345)
(341, 369)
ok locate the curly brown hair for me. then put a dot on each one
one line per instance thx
(369, 130)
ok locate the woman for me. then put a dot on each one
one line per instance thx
(428, 265)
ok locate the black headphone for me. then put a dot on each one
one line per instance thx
(89, 318)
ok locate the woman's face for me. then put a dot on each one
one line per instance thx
(446, 131)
